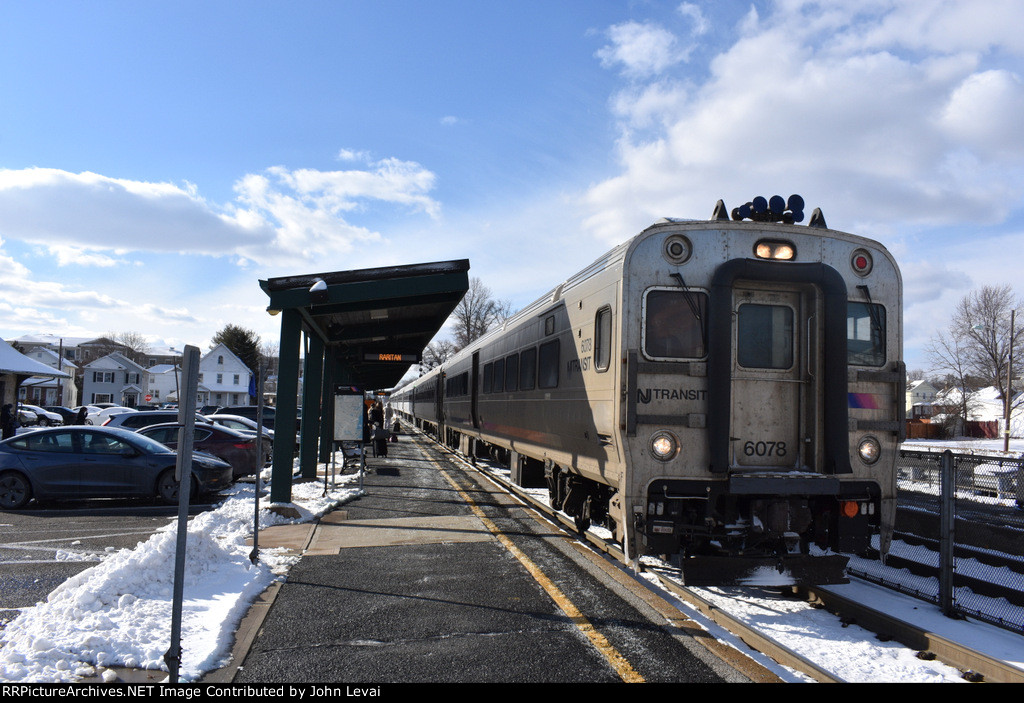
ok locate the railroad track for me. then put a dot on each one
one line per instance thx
(976, 665)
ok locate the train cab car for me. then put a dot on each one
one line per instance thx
(727, 394)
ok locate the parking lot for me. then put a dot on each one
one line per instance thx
(41, 548)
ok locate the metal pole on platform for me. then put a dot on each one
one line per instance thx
(254, 555)
(183, 473)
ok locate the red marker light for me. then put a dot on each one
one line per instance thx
(861, 262)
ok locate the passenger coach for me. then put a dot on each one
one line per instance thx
(725, 393)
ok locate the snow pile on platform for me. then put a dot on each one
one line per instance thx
(118, 613)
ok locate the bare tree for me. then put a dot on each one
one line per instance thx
(438, 352)
(477, 312)
(981, 341)
(985, 316)
(947, 352)
(132, 344)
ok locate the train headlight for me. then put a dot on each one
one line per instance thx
(664, 445)
(774, 249)
(869, 450)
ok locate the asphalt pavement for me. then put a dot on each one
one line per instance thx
(413, 583)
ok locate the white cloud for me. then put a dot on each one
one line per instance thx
(89, 210)
(984, 114)
(67, 255)
(280, 214)
(822, 99)
(694, 14)
(642, 49)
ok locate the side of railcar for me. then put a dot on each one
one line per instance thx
(762, 406)
(541, 392)
(422, 399)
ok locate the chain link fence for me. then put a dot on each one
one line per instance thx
(959, 539)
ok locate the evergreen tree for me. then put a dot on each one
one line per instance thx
(243, 343)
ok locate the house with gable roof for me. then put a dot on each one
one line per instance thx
(45, 390)
(16, 368)
(114, 378)
(225, 377)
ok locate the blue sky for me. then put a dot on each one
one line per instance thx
(158, 159)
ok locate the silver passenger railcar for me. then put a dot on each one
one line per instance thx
(725, 393)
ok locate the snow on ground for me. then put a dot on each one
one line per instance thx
(118, 613)
(967, 444)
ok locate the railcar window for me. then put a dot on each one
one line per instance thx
(603, 339)
(547, 365)
(764, 336)
(512, 372)
(458, 385)
(498, 382)
(865, 334)
(488, 375)
(674, 324)
(528, 369)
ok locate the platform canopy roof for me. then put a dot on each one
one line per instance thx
(14, 362)
(377, 321)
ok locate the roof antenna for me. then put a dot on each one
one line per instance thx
(817, 219)
(720, 212)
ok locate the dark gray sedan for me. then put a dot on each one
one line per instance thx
(97, 462)
(232, 446)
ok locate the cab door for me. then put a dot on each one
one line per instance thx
(775, 364)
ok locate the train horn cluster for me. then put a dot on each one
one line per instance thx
(774, 209)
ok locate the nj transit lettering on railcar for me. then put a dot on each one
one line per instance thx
(577, 365)
(646, 395)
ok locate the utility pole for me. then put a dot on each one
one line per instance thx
(1008, 398)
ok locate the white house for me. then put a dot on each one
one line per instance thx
(114, 378)
(986, 405)
(164, 380)
(920, 393)
(225, 377)
(15, 368)
(42, 390)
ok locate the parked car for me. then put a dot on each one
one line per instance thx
(246, 426)
(97, 462)
(104, 415)
(209, 409)
(91, 411)
(237, 449)
(26, 418)
(250, 411)
(44, 418)
(138, 420)
(269, 414)
(67, 414)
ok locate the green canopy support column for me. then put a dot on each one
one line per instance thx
(327, 411)
(287, 391)
(312, 387)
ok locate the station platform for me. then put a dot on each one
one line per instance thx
(419, 581)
